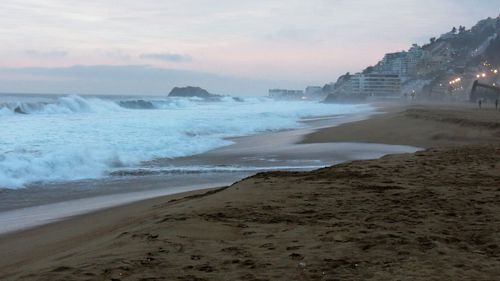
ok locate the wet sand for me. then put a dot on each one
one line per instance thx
(222, 165)
(420, 126)
(429, 215)
(282, 150)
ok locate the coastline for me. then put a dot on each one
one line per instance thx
(243, 224)
(268, 151)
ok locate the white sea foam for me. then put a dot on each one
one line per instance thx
(5, 111)
(76, 138)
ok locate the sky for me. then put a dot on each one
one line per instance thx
(227, 46)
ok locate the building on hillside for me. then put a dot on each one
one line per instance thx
(314, 92)
(413, 57)
(375, 85)
(403, 63)
(393, 63)
(286, 94)
(432, 63)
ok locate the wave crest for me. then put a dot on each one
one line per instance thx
(78, 104)
(62, 105)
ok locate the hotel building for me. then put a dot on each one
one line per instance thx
(376, 85)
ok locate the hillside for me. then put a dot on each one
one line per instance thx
(443, 69)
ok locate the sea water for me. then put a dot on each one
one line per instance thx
(47, 139)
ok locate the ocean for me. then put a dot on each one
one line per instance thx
(53, 139)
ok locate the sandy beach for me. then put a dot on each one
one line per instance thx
(429, 215)
(281, 150)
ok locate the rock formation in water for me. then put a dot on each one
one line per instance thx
(189, 92)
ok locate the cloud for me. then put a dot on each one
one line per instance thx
(250, 38)
(46, 54)
(166, 57)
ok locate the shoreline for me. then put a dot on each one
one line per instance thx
(79, 226)
(16, 221)
(269, 151)
(233, 231)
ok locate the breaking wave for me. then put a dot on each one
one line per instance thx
(63, 105)
(78, 104)
(76, 137)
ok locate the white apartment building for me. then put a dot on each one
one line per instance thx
(403, 63)
(376, 85)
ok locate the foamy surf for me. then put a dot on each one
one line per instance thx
(75, 137)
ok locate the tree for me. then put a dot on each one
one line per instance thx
(454, 30)
(461, 29)
(433, 39)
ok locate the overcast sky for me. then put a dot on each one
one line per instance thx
(221, 44)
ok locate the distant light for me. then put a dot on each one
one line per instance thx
(483, 75)
(477, 76)
(495, 71)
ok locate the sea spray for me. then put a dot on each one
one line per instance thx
(76, 137)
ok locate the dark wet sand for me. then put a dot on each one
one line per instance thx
(39, 204)
(247, 156)
(430, 215)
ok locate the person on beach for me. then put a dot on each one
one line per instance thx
(480, 102)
